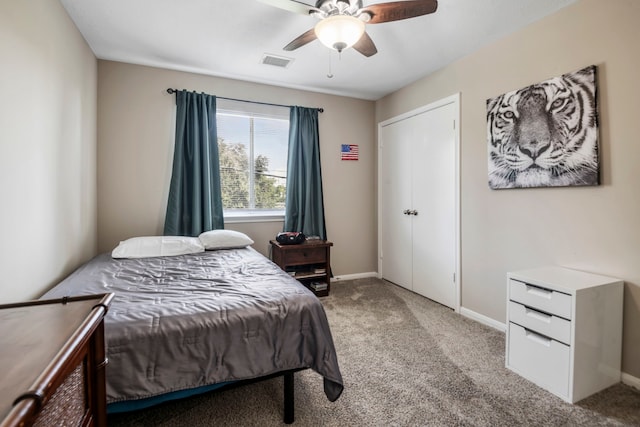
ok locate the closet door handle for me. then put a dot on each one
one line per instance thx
(413, 212)
(406, 212)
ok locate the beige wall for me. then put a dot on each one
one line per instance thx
(48, 83)
(595, 229)
(136, 125)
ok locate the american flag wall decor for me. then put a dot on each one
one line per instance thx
(349, 151)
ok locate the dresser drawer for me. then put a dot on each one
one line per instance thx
(306, 256)
(546, 324)
(542, 299)
(539, 359)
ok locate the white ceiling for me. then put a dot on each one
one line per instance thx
(228, 38)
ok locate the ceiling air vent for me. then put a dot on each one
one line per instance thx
(276, 61)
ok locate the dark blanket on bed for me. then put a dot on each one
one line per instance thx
(188, 321)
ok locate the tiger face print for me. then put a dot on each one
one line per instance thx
(545, 134)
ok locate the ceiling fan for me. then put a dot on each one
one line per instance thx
(342, 22)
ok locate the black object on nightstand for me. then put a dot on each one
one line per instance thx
(308, 262)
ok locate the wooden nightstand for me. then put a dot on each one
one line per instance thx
(308, 262)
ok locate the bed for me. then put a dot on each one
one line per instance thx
(180, 325)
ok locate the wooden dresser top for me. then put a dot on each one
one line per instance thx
(33, 336)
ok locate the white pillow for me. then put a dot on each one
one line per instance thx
(224, 239)
(153, 246)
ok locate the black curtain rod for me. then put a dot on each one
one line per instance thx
(320, 110)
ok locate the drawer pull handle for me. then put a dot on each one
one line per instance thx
(538, 315)
(543, 293)
(540, 339)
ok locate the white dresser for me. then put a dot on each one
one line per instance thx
(564, 330)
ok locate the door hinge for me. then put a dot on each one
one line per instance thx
(454, 125)
(454, 277)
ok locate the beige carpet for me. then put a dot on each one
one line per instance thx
(406, 361)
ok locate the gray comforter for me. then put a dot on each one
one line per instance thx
(187, 321)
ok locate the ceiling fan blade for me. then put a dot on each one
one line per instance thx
(290, 5)
(302, 39)
(397, 10)
(366, 46)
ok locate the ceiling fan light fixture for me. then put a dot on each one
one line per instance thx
(339, 32)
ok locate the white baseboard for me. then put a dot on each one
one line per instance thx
(631, 380)
(354, 276)
(483, 319)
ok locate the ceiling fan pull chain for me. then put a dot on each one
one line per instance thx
(330, 74)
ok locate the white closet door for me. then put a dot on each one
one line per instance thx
(396, 198)
(433, 198)
(418, 174)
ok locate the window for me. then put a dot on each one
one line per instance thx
(253, 146)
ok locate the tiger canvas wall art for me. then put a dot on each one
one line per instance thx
(546, 134)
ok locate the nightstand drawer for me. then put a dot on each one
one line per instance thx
(307, 256)
(546, 324)
(539, 359)
(539, 298)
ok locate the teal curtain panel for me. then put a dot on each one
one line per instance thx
(304, 210)
(195, 199)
